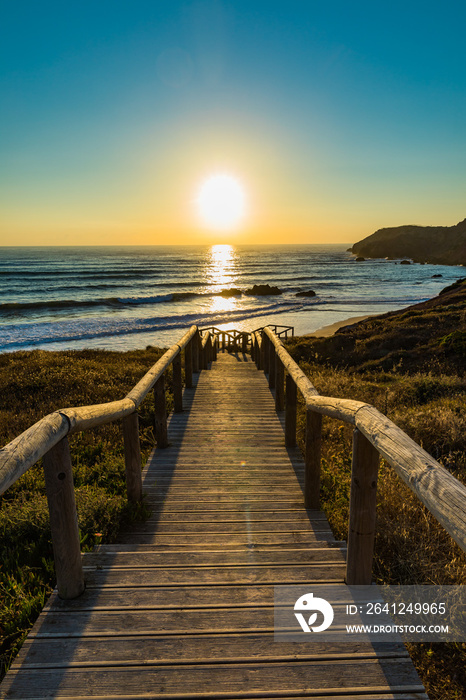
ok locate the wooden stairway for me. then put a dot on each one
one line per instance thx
(183, 608)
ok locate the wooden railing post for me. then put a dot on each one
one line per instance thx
(279, 384)
(291, 404)
(214, 347)
(63, 520)
(177, 385)
(312, 460)
(263, 354)
(188, 364)
(272, 366)
(132, 457)
(195, 351)
(257, 351)
(361, 532)
(244, 344)
(203, 358)
(265, 348)
(160, 413)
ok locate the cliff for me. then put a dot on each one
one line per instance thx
(441, 245)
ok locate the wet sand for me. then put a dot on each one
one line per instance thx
(326, 331)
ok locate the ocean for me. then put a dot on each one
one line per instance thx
(121, 298)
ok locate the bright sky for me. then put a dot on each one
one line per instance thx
(333, 118)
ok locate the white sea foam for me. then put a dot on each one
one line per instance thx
(129, 297)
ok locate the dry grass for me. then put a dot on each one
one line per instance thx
(35, 384)
(411, 547)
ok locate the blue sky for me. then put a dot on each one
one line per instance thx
(338, 118)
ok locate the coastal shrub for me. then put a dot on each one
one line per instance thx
(454, 342)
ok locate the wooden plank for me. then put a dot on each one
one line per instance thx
(219, 680)
(163, 622)
(188, 649)
(244, 575)
(313, 542)
(227, 539)
(287, 518)
(166, 597)
(143, 560)
(226, 527)
(237, 506)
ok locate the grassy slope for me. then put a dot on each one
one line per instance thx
(422, 337)
(33, 384)
(411, 366)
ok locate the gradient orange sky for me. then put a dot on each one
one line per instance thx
(337, 120)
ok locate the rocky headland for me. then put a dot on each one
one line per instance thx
(438, 245)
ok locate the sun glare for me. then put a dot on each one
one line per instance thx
(221, 201)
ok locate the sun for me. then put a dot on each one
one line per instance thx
(221, 201)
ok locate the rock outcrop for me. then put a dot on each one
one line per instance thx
(440, 245)
(232, 292)
(261, 290)
(309, 293)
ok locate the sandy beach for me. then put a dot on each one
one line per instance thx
(326, 331)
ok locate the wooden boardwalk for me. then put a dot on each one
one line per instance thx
(183, 608)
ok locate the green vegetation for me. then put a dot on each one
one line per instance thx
(34, 384)
(423, 391)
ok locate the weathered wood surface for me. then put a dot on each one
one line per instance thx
(183, 606)
(436, 487)
(361, 532)
(59, 486)
(132, 457)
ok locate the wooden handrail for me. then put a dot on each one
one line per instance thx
(48, 438)
(25, 450)
(247, 337)
(375, 434)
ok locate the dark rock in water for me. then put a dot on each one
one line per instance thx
(405, 262)
(233, 292)
(261, 290)
(310, 293)
(435, 276)
(348, 250)
(360, 259)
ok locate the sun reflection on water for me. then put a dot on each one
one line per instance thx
(222, 273)
(222, 267)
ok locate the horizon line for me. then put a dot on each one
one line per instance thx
(170, 245)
